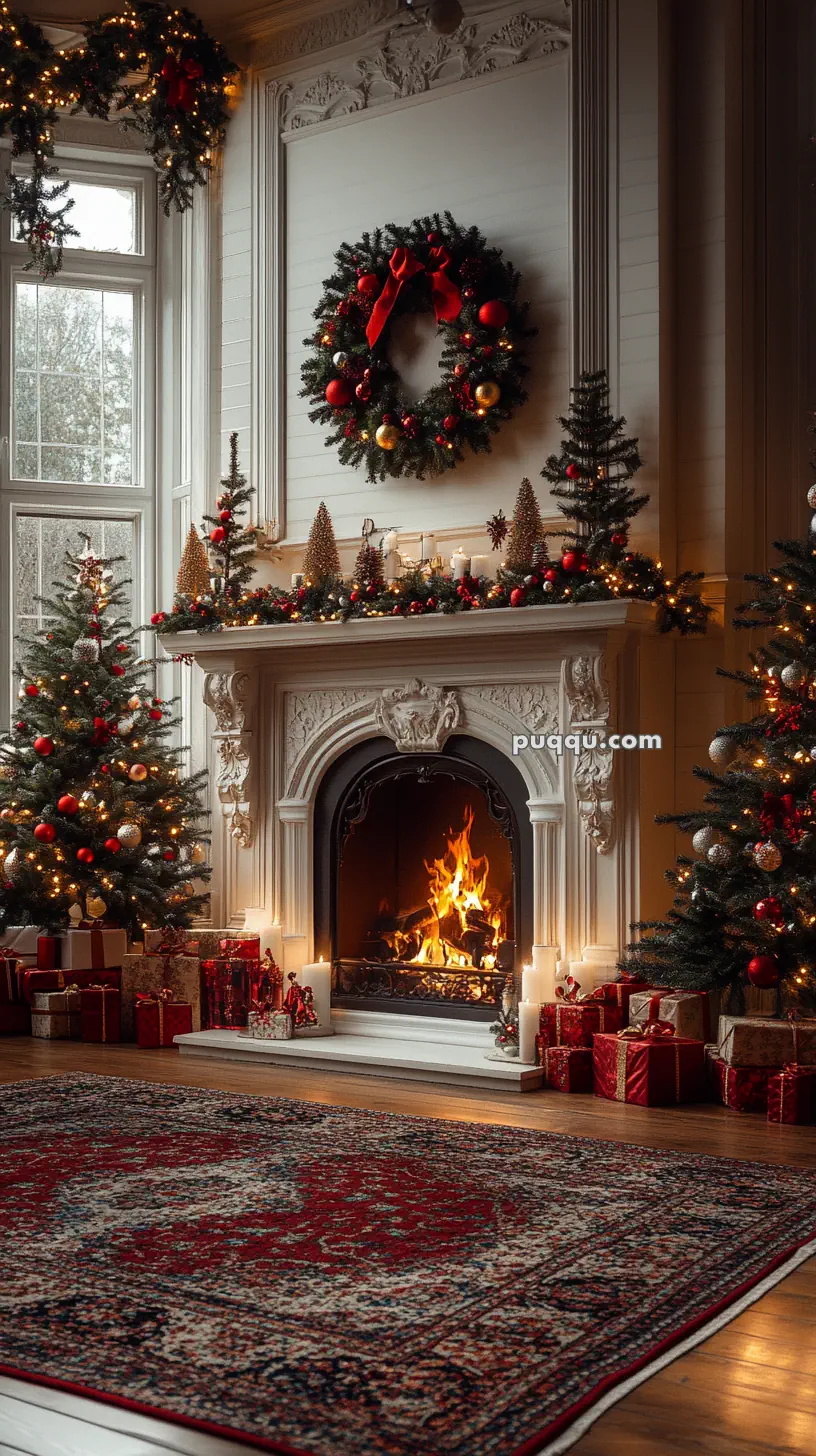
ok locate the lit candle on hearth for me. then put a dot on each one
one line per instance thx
(427, 547)
(318, 976)
(528, 1019)
(460, 564)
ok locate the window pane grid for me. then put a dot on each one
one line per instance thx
(40, 546)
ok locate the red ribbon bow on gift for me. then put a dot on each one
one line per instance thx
(779, 811)
(181, 78)
(174, 942)
(648, 1031)
(103, 731)
(404, 265)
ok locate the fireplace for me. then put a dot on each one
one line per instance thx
(423, 877)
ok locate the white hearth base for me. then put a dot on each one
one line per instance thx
(446, 1052)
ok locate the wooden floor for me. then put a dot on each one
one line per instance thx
(748, 1391)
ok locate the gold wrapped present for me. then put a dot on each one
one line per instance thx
(151, 974)
(55, 1015)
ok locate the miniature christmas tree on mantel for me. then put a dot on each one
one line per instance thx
(193, 578)
(321, 561)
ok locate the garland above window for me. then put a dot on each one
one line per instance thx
(433, 264)
(153, 65)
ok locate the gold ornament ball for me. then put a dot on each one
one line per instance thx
(198, 854)
(134, 703)
(387, 437)
(95, 907)
(487, 394)
(137, 772)
(129, 835)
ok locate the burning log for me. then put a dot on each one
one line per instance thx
(418, 921)
(475, 943)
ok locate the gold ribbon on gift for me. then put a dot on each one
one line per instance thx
(104, 990)
(646, 1031)
(788, 1077)
(161, 999)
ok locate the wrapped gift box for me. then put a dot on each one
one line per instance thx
(31, 980)
(55, 1015)
(743, 1089)
(209, 941)
(151, 974)
(574, 1023)
(100, 1013)
(21, 940)
(651, 1071)
(692, 1013)
(93, 950)
(792, 1095)
(15, 1020)
(180, 942)
(621, 992)
(750, 1041)
(271, 1025)
(568, 1069)
(159, 1020)
(761, 1001)
(9, 984)
(228, 989)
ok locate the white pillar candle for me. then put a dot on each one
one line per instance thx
(297, 578)
(393, 562)
(545, 962)
(389, 542)
(480, 565)
(258, 921)
(528, 1019)
(460, 564)
(427, 547)
(535, 985)
(318, 976)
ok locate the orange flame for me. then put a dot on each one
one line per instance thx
(458, 884)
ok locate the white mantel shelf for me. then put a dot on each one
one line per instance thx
(498, 626)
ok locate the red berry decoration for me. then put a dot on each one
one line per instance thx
(117, 669)
(43, 746)
(460, 370)
(85, 856)
(169, 854)
(21, 727)
(68, 804)
(32, 691)
(338, 393)
(157, 618)
(122, 647)
(112, 846)
(368, 284)
(450, 422)
(225, 516)
(217, 535)
(763, 971)
(440, 440)
(619, 538)
(106, 768)
(573, 472)
(45, 833)
(363, 391)
(517, 596)
(494, 314)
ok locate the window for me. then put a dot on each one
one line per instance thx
(77, 396)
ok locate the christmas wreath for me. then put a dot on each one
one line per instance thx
(151, 62)
(355, 389)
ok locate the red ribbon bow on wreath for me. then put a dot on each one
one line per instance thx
(779, 811)
(404, 265)
(182, 79)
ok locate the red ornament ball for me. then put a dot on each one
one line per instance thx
(517, 596)
(767, 909)
(396, 611)
(85, 856)
(217, 535)
(468, 293)
(354, 596)
(440, 440)
(363, 391)
(368, 284)
(45, 833)
(68, 804)
(550, 574)
(432, 238)
(460, 370)
(573, 561)
(123, 646)
(763, 971)
(155, 714)
(32, 691)
(494, 314)
(106, 768)
(169, 854)
(573, 472)
(450, 422)
(225, 516)
(117, 669)
(619, 538)
(338, 393)
(112, 846)
(43, 745)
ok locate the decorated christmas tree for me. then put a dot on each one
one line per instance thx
(744, 910)
(321, 562)
(232, 542)
(193, 579)
(526, 529)
(93, 810)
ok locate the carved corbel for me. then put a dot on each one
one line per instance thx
(588, 698)
(418, 717)
(231, 697)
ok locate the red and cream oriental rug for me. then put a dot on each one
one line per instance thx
(331, 1282)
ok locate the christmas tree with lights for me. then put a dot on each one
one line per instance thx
(94, 812)
(744, 910)
(232, 543)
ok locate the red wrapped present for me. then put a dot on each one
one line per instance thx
(9, 985)
(100, 1013)
(21, 941)
(159, 1020)
(15, 1020)
(30, 980)
(226, 992)
(574, 1023)
(792, 1094)
(620, 992)
(248, 948)
(49, 952)
(651, 1067)
(568, 1069)
(743, 1089)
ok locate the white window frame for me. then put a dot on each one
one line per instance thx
(137, 273)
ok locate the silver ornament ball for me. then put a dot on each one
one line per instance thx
(85, 649)
(719, 855)
(13, 864)
(722, 751)
(125, 726)
(794, 674)
(129, 835)
(339, 359)
(768, 857)
(704, 838)
(811, 497)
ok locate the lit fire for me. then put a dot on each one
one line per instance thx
(463, 910)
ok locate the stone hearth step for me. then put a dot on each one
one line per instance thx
(460, 1063)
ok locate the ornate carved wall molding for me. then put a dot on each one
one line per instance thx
(307, 714)
(409, 61)
(419, 717)
(231, 697)
(588, 699)
(533, 707)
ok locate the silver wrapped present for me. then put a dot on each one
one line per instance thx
(269, 1026)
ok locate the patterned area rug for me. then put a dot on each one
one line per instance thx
(332, 1282)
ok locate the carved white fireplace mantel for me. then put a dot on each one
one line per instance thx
(288, 700)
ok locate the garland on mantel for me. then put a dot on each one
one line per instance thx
(153, 62)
